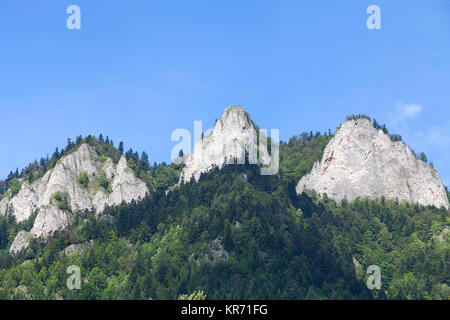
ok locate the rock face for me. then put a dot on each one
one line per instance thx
(77, 248)
(20, 242)
(215, 253)
(63, 178)
(233, 136)
(48, 220)
(361, 161)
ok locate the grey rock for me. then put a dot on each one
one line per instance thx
(4, 206)
(214, 253)
(21, 242)
(24, 203)
(217, 251)
(109, 168)
(49, 220)
(361, 161)
(76, 249)
(125, 187)
(233, 136)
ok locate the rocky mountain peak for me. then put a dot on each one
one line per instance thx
(361, 161)
(60, 192)
(233, 137)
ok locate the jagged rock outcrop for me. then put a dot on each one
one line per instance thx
(233, 137)
(4, 206)
(63, 179)
(21, 241)
(79, 248)
(215, 253)
(361, 161)
(24, 203)
(49, 220)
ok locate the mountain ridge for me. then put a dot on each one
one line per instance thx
(56, 196)
(59, 192)
(236, 234)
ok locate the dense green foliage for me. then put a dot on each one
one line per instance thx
(299, 154)
(279, 245)
(62, 200)
(83, 179)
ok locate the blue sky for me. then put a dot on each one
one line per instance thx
(137, 70)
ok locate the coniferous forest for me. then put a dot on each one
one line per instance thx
(233, 235)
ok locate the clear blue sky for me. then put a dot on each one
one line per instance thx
(137, 70)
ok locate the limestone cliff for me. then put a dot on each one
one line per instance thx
(63, 179)
(233, 137)
(361, 161)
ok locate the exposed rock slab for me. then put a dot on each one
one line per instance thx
(215, 253)
(24, 203)
(4, 206)
(233, 136)
(21, 242)
(361, 161)
(50, 220)
(125, 186)
(79, 248)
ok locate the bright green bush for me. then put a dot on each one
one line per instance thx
(62, 200)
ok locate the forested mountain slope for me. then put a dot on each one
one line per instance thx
(236, 235)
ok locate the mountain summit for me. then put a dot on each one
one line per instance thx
(362, 161)
(81, 180)
(234, 136)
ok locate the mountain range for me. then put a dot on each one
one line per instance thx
(180, 226)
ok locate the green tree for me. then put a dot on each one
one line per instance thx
(83, 179)
(103, 181)
(14, 186)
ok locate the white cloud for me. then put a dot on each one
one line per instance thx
(410, 110)
(402, 113)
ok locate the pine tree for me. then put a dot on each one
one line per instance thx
(145, 161)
